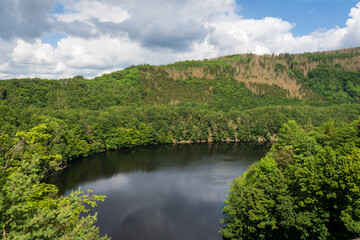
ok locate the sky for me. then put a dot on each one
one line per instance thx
(64, 38)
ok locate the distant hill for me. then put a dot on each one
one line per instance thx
(320, 76)
(45, 124)
(332, 75)
(262, 74)
(232, 98)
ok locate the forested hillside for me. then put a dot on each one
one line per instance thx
(307, 187)
(239, 97)
(44, 124)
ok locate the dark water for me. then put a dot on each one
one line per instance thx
(162, 192)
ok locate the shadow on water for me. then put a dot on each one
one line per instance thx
(162, 192)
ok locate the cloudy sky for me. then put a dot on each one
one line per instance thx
(64, 38)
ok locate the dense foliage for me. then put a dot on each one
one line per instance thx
(31, 209)
(335, 83)
(307, 187)
(44, 124)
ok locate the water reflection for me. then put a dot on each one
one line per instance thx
(163, 192)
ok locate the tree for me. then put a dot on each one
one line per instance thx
(31, 209)
(307, 187)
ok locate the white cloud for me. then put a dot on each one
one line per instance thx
(24, 19)
(108, 35)
(99, 53)
(87, 10)
(73, 56)
(352, 36)
(262, 36)
(35, 53)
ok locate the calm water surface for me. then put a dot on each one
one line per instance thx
(161, 192)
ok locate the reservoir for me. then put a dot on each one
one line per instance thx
(161, 192)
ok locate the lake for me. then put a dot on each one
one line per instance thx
(161, 192)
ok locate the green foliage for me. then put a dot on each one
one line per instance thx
(279, 68)
(31, 209)
(328, 58)
(334, 83)
(45, 124)
(220, 67)
(258, 204)
(125, 138)
(330, 82)
(307, 187)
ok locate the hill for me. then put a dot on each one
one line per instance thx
(284, 75)
(233, 98)
(45, 124)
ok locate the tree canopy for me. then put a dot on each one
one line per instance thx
(307, 187)
(45, 124)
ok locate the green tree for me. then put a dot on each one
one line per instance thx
(31, 209)
(307, 187)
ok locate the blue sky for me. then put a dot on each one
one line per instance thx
(63, 38)
(53, 39)
(58, 8)
(308, 15)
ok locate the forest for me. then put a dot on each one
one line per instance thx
(306, 187)
(46, 124)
